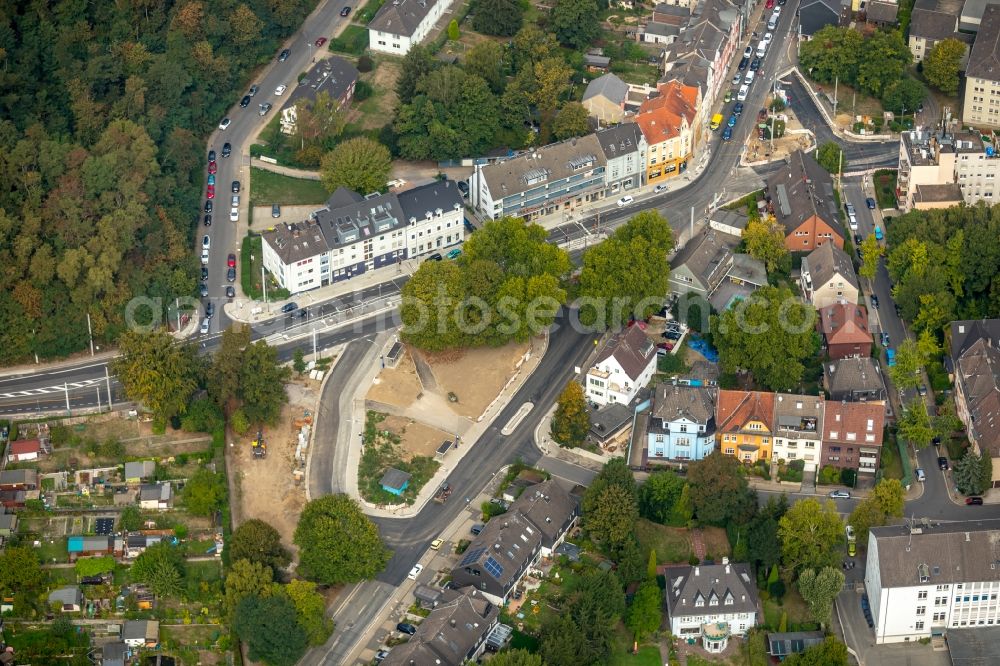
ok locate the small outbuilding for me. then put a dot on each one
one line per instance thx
(395, 481)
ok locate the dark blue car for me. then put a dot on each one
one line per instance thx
(732, 120)
(738, 108)
(727, 134)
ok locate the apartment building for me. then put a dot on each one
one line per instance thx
(975, 365)
(981, 104)
(679, 424)
(624, 149)
(354, 234)
(623, 367)
(939, 169)
(924, 579)
(932, 21)
(666, 120)
(798, 434)
(828, 277)
(402, 24)
(745, 424)
(852, 435)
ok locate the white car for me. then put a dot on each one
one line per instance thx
(225, 123)
(659, 188)
(234, 214)
(204, 256)
(767, 38)
(415, 571)
(748, 53)
(625, 201)
(762, 48)
(777, 12)
(741, 96)
(280, 90)
(736, 79)
(853, 221)
(748, 79)
(205, 323)
(206, 242)
(236, 200)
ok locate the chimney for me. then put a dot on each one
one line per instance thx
(725, 560)
(452, 623)
(697, 571)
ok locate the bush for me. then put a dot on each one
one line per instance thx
(797, 465)
(829, 475)
(849, 477)
(362, 91)
(776, 589)
(365, 64)
(490, 510)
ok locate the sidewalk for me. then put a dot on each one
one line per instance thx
(283, 170)
(539, 345)
(549, 447)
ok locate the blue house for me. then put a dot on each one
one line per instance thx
(677, 425)
(395, 481)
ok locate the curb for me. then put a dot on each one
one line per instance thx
(339, 351)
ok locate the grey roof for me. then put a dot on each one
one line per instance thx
(608, 420)
(858, 374)
(938, 193)
(113, 654)
(798, 414)
(974, 646)
(596, 60)
(945, 553)
(140, 469)
(296, 241)
(149, 492)
(453, 629)
(67, 596)
(978, 371)
(984, 59)
(717, 583)
(828, 261)
(394, 478)
(816, 14)
(141, 630)
(674, 402)
(362, 218)
(633, 350)
(793, 642)
(424, 201)
(748, 269)
(332, 75)
(965, 333)
(570, 550)
(542, 166)
(730, 218)
(707, 256)
(608, 86)
(19, 477)
(935, 19)
(8, 521)
(972, 13)
(401, 17)
(882, 12)
(549, 507)
(509, 540)
(671, 14)
(430, 595)
(800, 190)
(663, 29)
(620, 140)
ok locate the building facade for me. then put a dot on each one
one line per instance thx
(354, 234)
(844, 329)
(798, 422)
(332, 76)
(827, 277)
(625, 366)
(981, 104)
(667, 121)
(681, 424)
(745, 424)
(402, 24)
(604, 99)
(711, 602)
(852, 435)
(625, 153)
(800, 197)
(975, 361)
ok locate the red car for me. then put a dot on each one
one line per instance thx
(669, 346)
(212, 167)
(211, 192)
(322, 40)
(231, 260)
(769, 4)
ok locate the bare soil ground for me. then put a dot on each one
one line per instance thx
(716, 542)
(397, 386)
(475, 376)
(416, 439)
(783, 146)
(266, 488)
(378, 109)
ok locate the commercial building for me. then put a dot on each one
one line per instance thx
(355, 234)
(711, 602)
(551, 179)
(981, 104)
(402, 24)
(667, 121)
(924, 579)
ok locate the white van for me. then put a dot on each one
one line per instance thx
(748, 79)
(741, 96)
(204, 255)
(772, 22)
(762, 48)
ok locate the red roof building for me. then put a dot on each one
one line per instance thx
(24, 449)
(845, 331)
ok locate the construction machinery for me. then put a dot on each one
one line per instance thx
(259, 447)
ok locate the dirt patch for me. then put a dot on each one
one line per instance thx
(397, 386)
(716, 542)
(491, 368)
(378, 109)
(267, 489)
(416, 439)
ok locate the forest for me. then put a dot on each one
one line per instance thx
(104, 112)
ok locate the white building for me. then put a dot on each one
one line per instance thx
(923, 580)
(711, 602)
(355, 234)
(624, 149)
(798, 423)
(625, 366)
(402, 24)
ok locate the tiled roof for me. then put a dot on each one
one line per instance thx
(984, 60)
(674, 402)
(401, 17)
(827, 262)
(858, 423)
(882, 12)
(543, 165)
(712, 588)
(735, 409)
(800, 190)
(548, 506)
(607, 86)
(332, 75)
(662, 116)
(632, 349)
(23, 446)
(957, 552)
(708, 257)
(935, 19)
(979, 372)
(799, 413)
(844, 323)
(849, 375)
(966, 332)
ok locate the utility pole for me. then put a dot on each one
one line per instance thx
(263, 284)
(66, 389)
(177, 307)
(315, 357)
(840, 167)
(692, 225)
(98, 399)
(772, 131)
(90, 334)
(107, 379)
(836, 83)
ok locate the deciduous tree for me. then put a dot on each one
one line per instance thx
(245, 579)
(359, 164)
(871, 253)
(262, 383)
(571, 120)
(831, 652)
(819, 589)
(612, 516)
(20, 570)
(659, 495)
(914, 425)
(257, 541)
(905, 373)
(765, 240)
(269, 627)
(942, 64)
(500, 18)
(809, 532)
(830, 157)
(645, 614)
(205, 492)
(719, 493)
(161, 567)
(418, 62)
(223, 379)
(156, 371)
(310, 609)
(575, 22)
(885, 501)
(338, 543)
(130, 519)
(571, 421)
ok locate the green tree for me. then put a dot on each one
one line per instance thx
(719, 493)
(683, 510)
(310, 609)
(883, 61)
(905, 373)
(871, 253)
(486, 59)
(257, 541)
(262, 383)
(299, 361)
(819, 589)
(223, 378)
(205, 492)
(417, 63)
(659, 495)
(612, 516)
(627, 275)
(246, 579)
(968, 474)
(889, 496)
(809, 532)
(885, 501)
(130, 519)
(761, 535)
(318, 120)
(518, 657)
(904, 94)
(770, 334)
(942, 64)
(831, 157)
(914, 425)
(651, 565)
(500, 18)
(765, 240)
(575, 22)
(571, 120)
(20, 570)
(360, 164)
(161, 567)
(94, 566)
(831, 652)
(338, 543)
(269, 627)
(453, 32)
(865, 516)
(156, 371)
(645, 614)
(571, 421)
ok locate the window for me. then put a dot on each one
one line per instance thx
(922, 594)
(938, 617)
(940, 601)
(921, 610)
(918, 626)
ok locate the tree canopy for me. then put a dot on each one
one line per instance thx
(719, 493)
(764, 240)
(157, 371)
(360, 164)
(161, 567)
(571, 421)
(819, 589)
(269, 627)
(205, 492)
(575, 22)
(338, 543)
(831, 652)
(809, 533)
(942, 65)
(500, 18)
(248, 376)
(831, 157)
(310, 610)
(973, 474)
(658, 496)
(257, 541)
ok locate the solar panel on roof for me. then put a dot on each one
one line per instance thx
(103, 526)
(493, 567)
(472, 556)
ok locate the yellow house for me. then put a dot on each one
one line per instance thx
(667, 121)
(745, 424)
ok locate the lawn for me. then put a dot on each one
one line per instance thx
(648, 655)
(52, 551)
(892, 468)
(672, 544)
(353, 40)
(250, 268)
(885, 188)
(792, 604)
(269, 187)
(367, 13)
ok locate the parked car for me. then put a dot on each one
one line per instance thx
(755, 65)
(436, 544)
(477, 528)
(275, 210)
(206, 323)
(977, 501)
(280, 90)
(290, 307)
(264, 108)
(211, 156)
(870, 203)
(204, 274)
(625, 201)
(874, 300)
(226, 122)
(320, 42)
(942, 463)
(345, 11)
(727, 134)
(743, 63)
(415, 571)
(236, 186)
(454, 254)
(878, 232)
(231, 274)
(208, 206)
(857, 239)
(253, 90)
(922, 389)
(381, 654)
(245, 102)
(203, 289)
(748, 52)
(741, 96)
(732, 120)
(210, 192)
(283, 56)
(736, 79)
(921, 476)
(209, 309)
(227, 149)
(406, 628)
(659, 188)
(849, 208)
(435, 257)
(204, 256)
(885, 339)
(840, 494)
(231, 260)
(234, 214)
(728, 97)
(213, 167)
(230, 291)
(208, 220)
